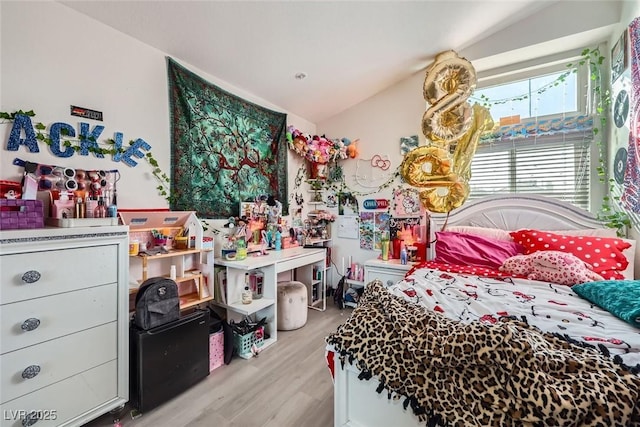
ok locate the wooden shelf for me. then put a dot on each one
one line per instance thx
(171, 253)
(190, 300)
(188, 275)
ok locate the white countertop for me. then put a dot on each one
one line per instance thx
(391, 263)
(254, 260)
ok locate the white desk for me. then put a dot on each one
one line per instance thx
(299, 259)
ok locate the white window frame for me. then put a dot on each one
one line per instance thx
(544, 66)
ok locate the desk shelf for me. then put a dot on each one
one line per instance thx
(249, 309)
(300, 260)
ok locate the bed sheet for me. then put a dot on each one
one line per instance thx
(547, 306)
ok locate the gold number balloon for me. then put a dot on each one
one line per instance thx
(450, 81)
(445, 178)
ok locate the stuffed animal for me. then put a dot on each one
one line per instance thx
(551, 266)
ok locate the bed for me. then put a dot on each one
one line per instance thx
(490, 346)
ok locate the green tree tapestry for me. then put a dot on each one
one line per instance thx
(224, 150)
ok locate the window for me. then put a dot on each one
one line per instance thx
(555, 169)
(546, 95)
(544, 152)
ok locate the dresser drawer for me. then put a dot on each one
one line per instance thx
(56, 360)
(52, 272)
(64, 401)
(55, 316)
(386, 276)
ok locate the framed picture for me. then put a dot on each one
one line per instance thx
(406, 203)
(619, 59)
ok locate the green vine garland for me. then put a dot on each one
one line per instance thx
(608, 214)
(164, 182)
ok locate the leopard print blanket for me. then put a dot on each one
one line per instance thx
(506, 374)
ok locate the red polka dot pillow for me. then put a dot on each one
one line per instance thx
(603, 254)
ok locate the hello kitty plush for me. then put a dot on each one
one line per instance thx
(551, 266)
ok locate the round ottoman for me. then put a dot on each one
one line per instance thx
(292, 305)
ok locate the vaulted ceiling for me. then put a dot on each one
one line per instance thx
(348, 50)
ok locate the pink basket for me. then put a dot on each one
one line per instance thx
(18, 214)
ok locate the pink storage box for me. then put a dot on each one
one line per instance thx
(21, 214)
(216, 350)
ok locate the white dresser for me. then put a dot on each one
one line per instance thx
(64, 348)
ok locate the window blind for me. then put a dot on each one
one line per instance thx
(553, 165)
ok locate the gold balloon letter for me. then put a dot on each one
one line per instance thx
(449, 82)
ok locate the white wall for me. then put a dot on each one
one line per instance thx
(54, 57)
(383, 119)
(378, 123)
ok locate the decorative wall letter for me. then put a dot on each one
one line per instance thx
(134, 150)
(54, 133)
(22, 122)
(87, 141)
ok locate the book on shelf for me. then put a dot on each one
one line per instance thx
(205, 286)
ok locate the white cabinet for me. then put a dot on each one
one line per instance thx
(389, 272)
(64, 348)
(300, 260)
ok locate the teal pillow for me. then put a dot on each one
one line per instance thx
(619, 297)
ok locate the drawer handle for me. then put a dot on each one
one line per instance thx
(30, 419)
(30, 324)
(31, 276)
(30, 372)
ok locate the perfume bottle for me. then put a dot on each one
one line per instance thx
(101, 210)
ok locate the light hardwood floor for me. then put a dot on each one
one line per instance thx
(288, 384)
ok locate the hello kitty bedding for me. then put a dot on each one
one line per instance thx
(550, 307)
(516, 273)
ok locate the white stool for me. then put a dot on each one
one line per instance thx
(292, 305)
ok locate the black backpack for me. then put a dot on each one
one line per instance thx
(157, 303)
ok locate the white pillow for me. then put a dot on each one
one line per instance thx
(494, 233)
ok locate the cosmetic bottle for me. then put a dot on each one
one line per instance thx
(403, 255)
(100, 211)
(247, 296)
(80, 208)
(278, 240)
(112, 211)
(90, 206)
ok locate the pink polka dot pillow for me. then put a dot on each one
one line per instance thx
(603, 254)
(551, 266)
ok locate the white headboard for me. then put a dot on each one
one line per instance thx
(516, 211)
(513, 212)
